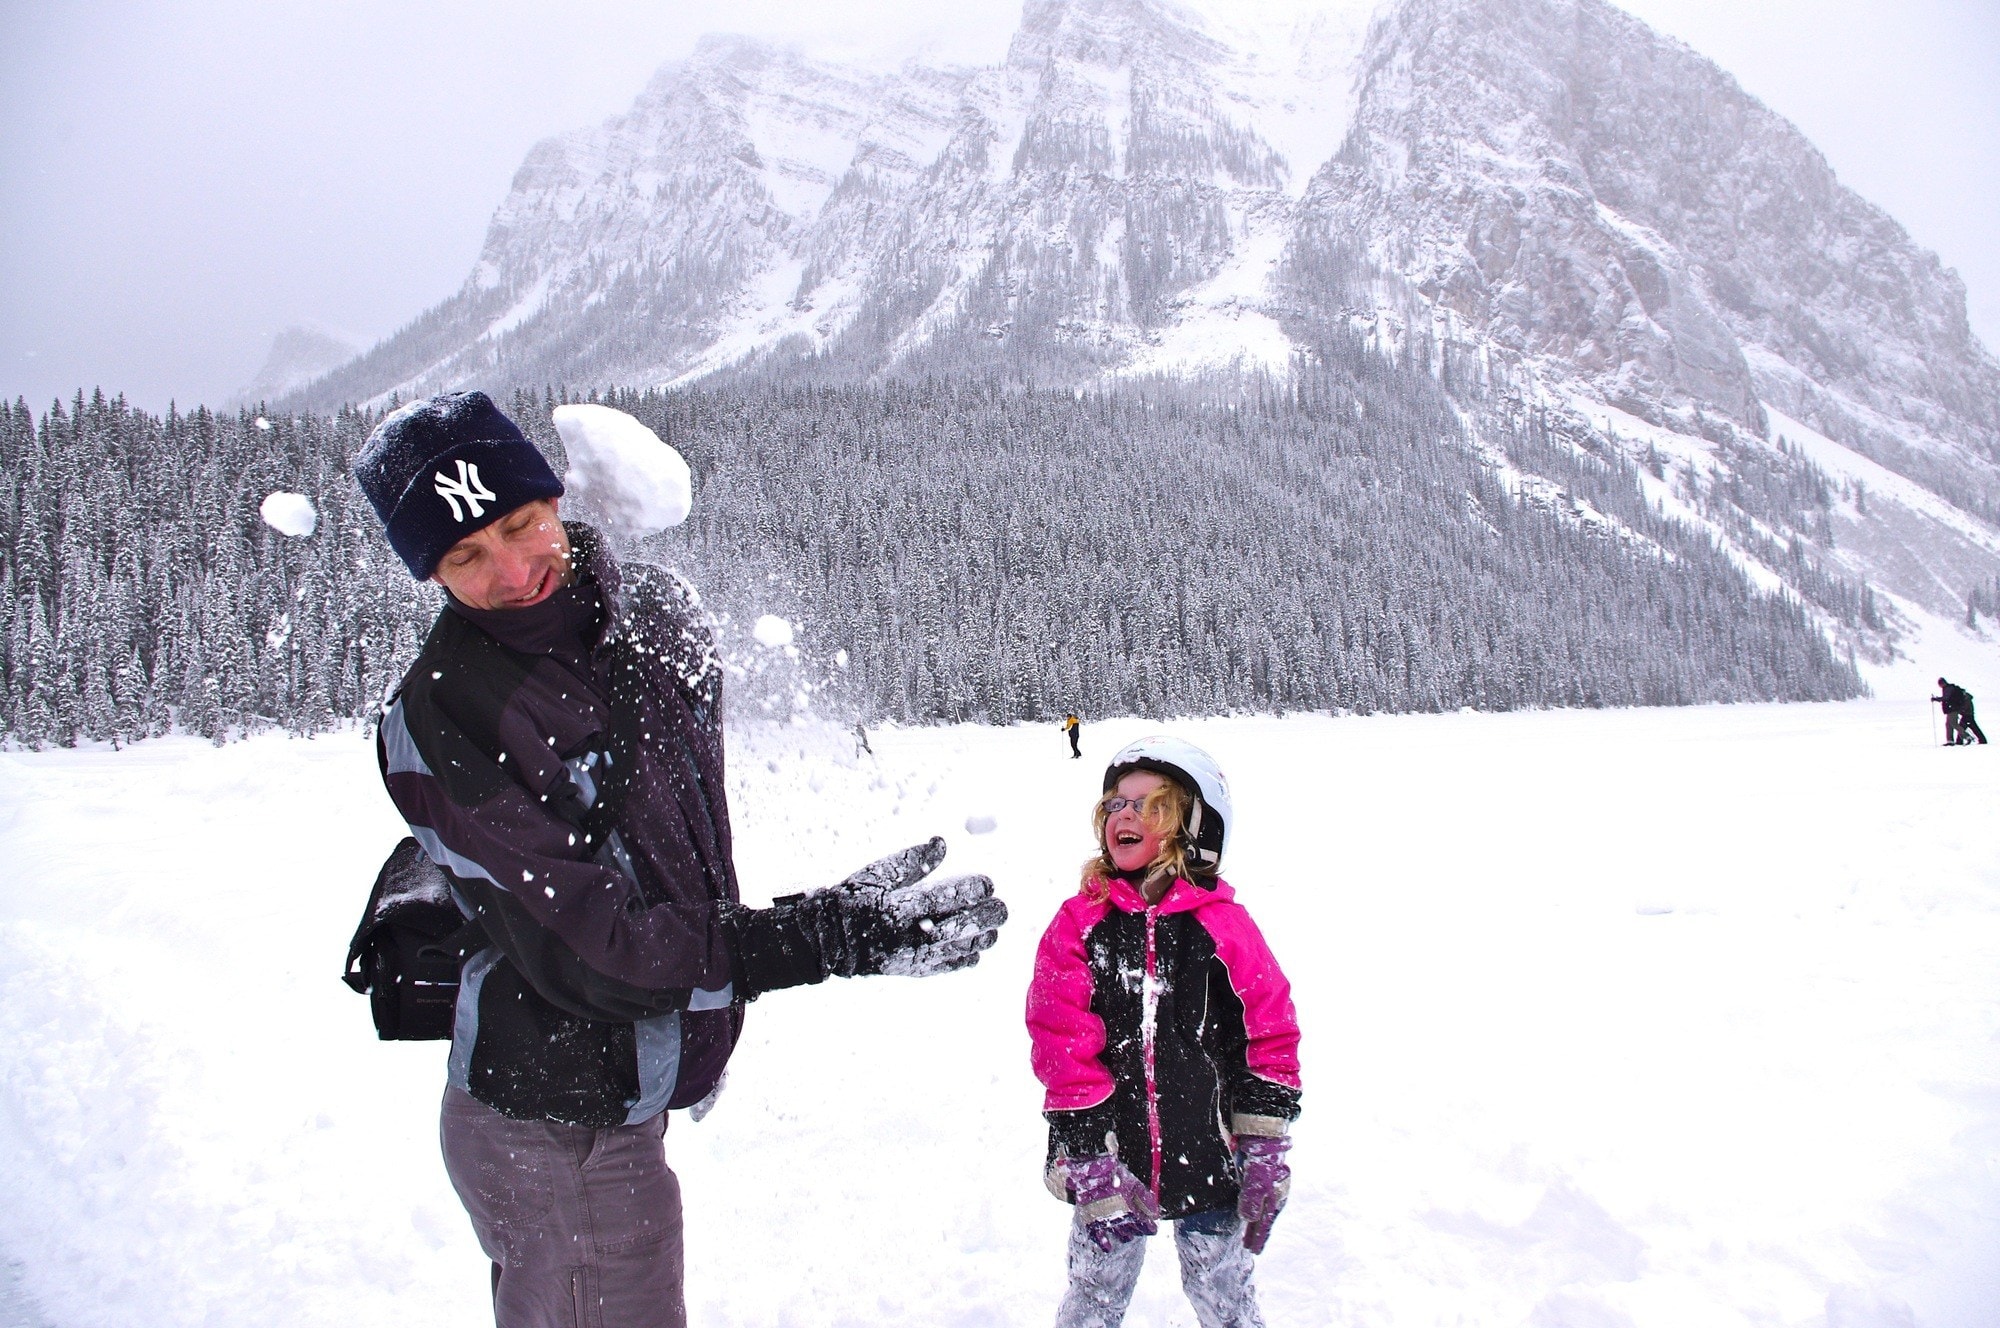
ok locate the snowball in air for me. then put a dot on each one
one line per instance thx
(980, 825)
(620, 472)
(772, 631)
(290, 514)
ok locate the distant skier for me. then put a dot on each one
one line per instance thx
(1074, 727)
(1958, 718)
(1170, 1098)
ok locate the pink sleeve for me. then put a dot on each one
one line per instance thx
(1065, 1038)
(1269, 1021)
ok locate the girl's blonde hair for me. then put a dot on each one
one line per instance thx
(1165, 813)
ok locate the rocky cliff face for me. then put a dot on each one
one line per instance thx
(1463, 178)
(1607, 203)
(1575, 208)
(1548, 203)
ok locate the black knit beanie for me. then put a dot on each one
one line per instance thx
(441, 468)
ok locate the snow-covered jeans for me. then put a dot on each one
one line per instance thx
(583, 1226)
(1215, 1273)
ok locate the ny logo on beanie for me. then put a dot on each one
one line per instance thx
(466, 486)
(456, 446)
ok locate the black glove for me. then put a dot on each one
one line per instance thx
(881, 919)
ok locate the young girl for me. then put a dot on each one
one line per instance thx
(1165, 1039)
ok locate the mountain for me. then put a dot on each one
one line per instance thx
(1584, 210)
(298, 355)
(1560, 214)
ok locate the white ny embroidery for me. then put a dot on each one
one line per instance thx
(467, 486)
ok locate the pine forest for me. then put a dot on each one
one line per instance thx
(1348, 538)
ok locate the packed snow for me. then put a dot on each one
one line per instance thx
(772, 632)
(1643, 1019)
(620, 472)
(289, 514)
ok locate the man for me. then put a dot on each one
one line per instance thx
(557, 749)
(1958, 714)
(1074, 727)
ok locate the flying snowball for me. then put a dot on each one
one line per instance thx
(289, 514)
(980, 825)
(772, 631)
(263, 424)
(620, 471)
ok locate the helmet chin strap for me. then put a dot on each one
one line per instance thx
(1193, 833)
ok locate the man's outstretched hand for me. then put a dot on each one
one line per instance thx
(884, 918)
(888, 918)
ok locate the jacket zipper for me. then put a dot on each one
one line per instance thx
(1148, 1026)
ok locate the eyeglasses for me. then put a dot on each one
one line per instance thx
(1115, 805)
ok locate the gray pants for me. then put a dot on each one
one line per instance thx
(583, 1226)
(1215, 1273)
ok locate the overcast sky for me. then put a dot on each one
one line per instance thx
(180, 179)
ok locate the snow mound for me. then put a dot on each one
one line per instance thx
(621, 472)
(290, 514)
(772, 631)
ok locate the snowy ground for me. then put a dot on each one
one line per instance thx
(1672, 1019)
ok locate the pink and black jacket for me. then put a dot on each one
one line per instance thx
(1153, 1027)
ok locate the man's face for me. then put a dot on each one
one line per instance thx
(519, 560)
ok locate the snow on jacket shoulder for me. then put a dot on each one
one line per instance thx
(1194, 971)
(607, 993)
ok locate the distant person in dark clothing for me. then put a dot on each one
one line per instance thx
(1074, 727)
(1958, 719)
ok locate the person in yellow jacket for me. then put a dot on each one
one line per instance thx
(1074, 727)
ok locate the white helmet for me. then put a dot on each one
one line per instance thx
(1194, 770)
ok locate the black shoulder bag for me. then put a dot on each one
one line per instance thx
(406, 953)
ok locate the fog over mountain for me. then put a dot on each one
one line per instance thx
(298, 356)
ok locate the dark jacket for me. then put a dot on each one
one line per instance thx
(1955, 699)
(608, 993)
(1195, 972)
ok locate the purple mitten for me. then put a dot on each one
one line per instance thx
(1266, 1182)
(1116, 1206)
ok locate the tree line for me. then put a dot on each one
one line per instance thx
(141, 591)
(951, 550)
